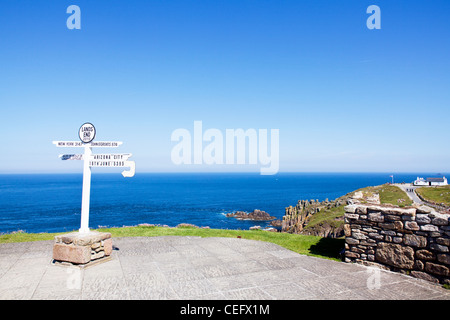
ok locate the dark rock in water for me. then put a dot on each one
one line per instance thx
(255, 215)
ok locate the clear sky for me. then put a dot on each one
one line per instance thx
(344, 98)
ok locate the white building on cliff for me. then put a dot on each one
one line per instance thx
(431, 182)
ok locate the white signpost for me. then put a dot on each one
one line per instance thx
(86, 134)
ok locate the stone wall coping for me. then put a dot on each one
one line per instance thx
(363, 208)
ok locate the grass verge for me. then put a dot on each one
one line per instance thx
(388, 194)
(309, 245)
(435, 194)
(333, 217)
(394, 195)
(327, 216)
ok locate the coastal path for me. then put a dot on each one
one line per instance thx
(409, 188)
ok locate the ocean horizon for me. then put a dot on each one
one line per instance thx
(51, 202)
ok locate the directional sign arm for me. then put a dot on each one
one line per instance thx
(71, 156)
(106, 144)
(100, 160)
(110, 156)
(68, 144)
(101, 144)
(129, 173)
(113, 160)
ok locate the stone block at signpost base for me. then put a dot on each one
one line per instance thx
(82, 249)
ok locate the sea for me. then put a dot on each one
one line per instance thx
(37, 203)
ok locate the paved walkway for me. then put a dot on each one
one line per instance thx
(199, 268)
(409, 189)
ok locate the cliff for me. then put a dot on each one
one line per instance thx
(312, 217)
(326, 218)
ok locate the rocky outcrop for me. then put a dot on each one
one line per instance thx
(256, 214)
(296, 218)
(362, 196)
(326, 229)
(276, 223)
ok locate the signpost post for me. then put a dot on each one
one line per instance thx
(86, 195)
(86, 134)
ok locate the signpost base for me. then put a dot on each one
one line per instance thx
(82, 249)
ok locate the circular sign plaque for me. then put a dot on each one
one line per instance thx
(86, 132)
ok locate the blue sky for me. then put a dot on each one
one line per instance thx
(345, 98)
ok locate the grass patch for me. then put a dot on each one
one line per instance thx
(302, 244)
(333, 217)
(388, 194)
(394, 195)
(27, 237)
(327, 216)
(439, 194)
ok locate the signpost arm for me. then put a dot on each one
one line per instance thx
(86, 191)
(129, 173)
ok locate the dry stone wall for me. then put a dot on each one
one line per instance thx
(414, 240)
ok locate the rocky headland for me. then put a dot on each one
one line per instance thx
(324, 218)
(297, 219)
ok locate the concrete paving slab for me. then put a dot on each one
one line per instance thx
(174, 268)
